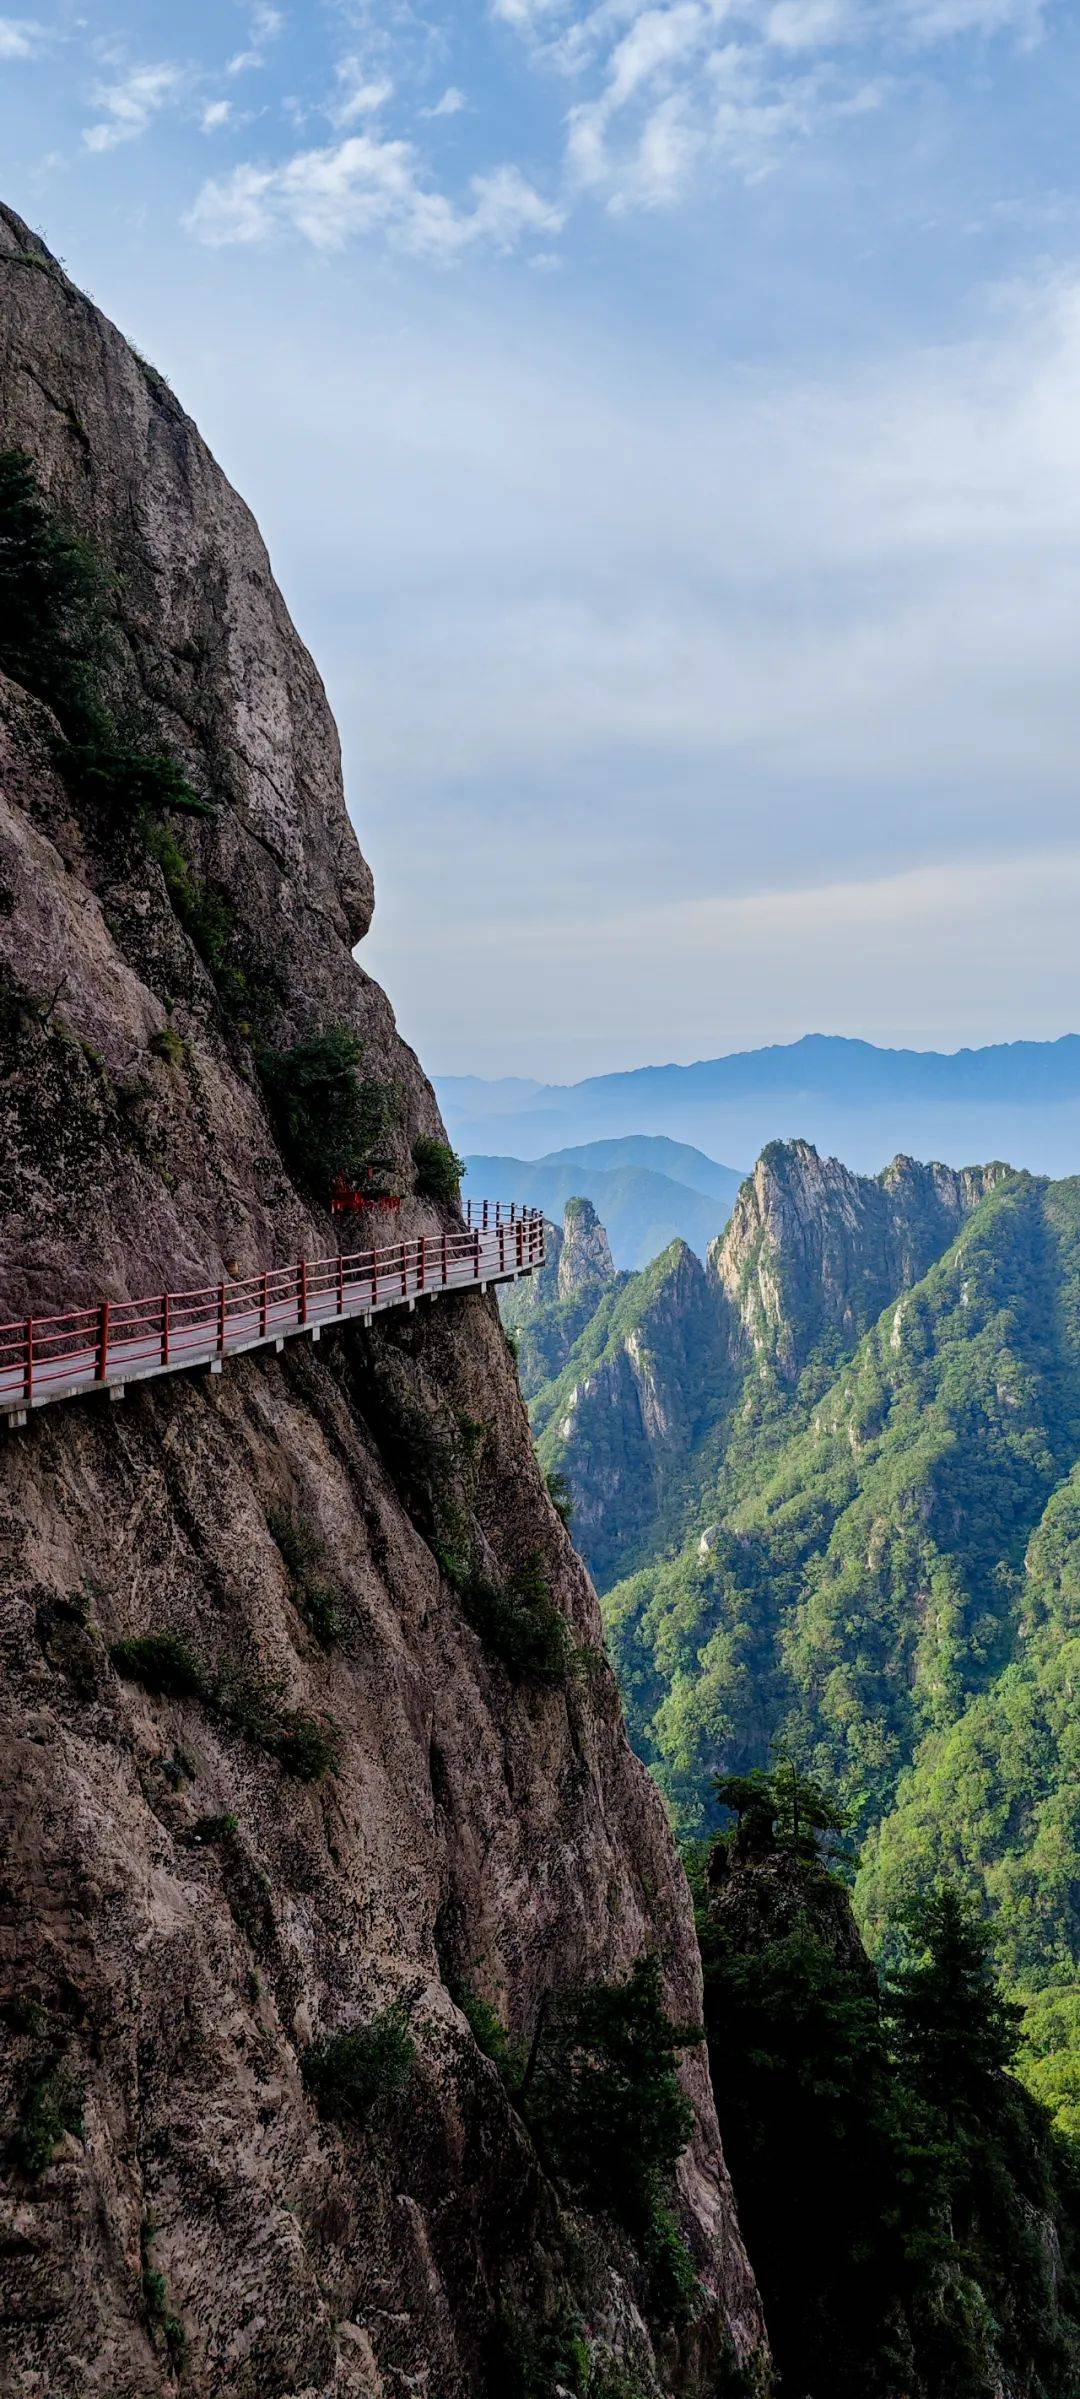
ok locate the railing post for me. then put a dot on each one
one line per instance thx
(340, 1284)
(303, 1290)
(423, 1259)
(102, 1368)
(221, 1320)
(476, 1254)
(28, 1379)
(264, 1296)
(165, 1328)
(404, 1270)
(519, 1236)
(445, 1261)
(502, 1248)
(485, 1216)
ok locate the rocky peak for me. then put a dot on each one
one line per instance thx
(813, 1251)
(585, 1256)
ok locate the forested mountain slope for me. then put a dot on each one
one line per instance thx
(682, 1374)
(891, 1586)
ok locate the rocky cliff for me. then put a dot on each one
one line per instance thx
(546, 1314)
(680, 1374)
(263, 1781)
(813, 1253)
(647, 1376)
(585, 1261)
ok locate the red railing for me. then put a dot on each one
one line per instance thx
(484, 1214)
(53, 1357)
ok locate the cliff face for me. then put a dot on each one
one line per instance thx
(585, 1261)
(546, 1313)
(640, 1383)
(813, 1252)
(184, 1912)
(651, 1397)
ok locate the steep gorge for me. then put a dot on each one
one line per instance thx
(326, 1795)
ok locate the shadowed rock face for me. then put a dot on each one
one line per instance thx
(621, 1421)
(181, 1915)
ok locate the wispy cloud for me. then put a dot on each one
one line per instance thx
(21, 37)
(450, 105)
(129, 105)
(358, 94)
(662, 85)
(264, 25)
(364, 185)
(216, 114)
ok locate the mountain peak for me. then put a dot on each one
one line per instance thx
(814, 1252)
(585, 1256)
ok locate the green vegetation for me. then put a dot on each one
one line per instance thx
(305, 1746)
(542, 1328)
(599, 2091)
(521, 1626)
(892, 1589)
(348, 2073)
(913, 2222)
(588, 1421)
(163, 1663)
(53, 2106)
(165, 2325)
(165, 1042)
(206, 915)
(490, 2035)
(213, 1828)
(58, 639)
(560, 1495)
(434, 1457)
(438, 1170)
(318, 1599)
(328, 1120)
(601, 2096)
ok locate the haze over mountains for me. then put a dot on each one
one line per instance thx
(1019, 1100)
(649, 1191)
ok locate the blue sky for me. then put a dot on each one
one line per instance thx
(665, 421)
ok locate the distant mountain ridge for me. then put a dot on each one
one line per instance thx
(649, 1191)
(1014, 1099)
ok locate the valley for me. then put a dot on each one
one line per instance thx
(828, 1484)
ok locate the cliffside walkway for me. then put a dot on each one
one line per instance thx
(116, 1342)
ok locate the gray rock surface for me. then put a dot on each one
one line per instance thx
(181, 1915)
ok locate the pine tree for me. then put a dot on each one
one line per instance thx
(955, 2035)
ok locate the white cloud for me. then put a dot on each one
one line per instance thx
(21, 37)
(215, 114)
(264, 23)
(359, 94)
(807, 24)
(646, 111)
(722, 632)
(131, 103)
(930, 21)
(526, 16)
(366, 184)
(450, 105)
